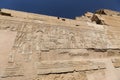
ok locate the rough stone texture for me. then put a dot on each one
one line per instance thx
(40, 47)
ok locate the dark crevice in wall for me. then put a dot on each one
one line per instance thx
(101, 12)
(97, 50)
(97, 20)
(5, 14)
(63, 19)
(77, 25)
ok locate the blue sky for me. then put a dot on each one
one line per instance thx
(61, 8)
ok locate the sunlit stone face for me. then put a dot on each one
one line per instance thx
(6, 42)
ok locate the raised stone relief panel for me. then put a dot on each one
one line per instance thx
(36, 50)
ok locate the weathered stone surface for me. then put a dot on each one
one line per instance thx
(40, 47)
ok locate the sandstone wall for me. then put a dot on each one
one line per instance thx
(50, 48)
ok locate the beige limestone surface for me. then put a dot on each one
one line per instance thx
(40, 47)
(6, 43)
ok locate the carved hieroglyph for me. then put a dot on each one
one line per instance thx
(39, 47)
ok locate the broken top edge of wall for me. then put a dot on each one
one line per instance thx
(107, 12)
